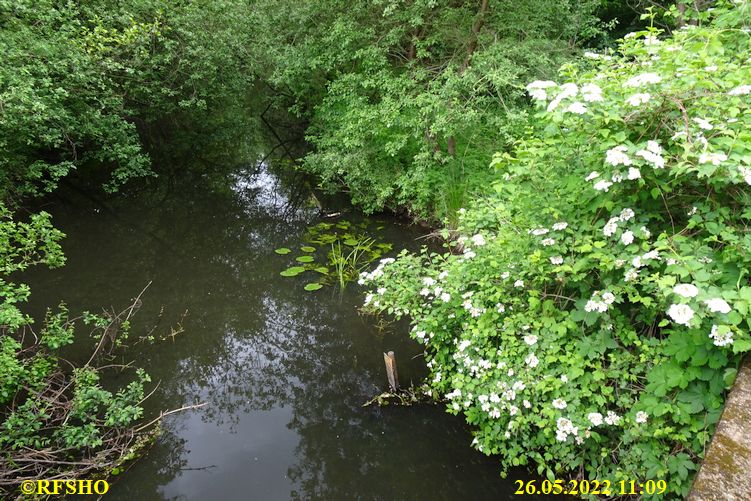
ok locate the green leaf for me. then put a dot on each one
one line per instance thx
(292, 272)
(304, 259)
(729, 377)
(313, 286)
(307, 248)
(741, 345)
(282, 250)
(322, 269)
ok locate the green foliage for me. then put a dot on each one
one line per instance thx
(596, 317)
(79, 79)
(42, 406)
(406, 101)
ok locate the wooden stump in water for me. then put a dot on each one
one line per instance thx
(390, 360)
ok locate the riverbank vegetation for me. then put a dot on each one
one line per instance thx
(592, 314)
(589, 310)
(406, 101)
(84, 89)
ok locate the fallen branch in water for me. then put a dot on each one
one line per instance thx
(404, 396)
(167, 413)
(63, 424)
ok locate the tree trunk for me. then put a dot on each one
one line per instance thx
(471, 47)
(476, 27)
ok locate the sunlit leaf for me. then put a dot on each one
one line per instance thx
(292, 272)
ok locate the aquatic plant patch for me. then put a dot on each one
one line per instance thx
(337, 252)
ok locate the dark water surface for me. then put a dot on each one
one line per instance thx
(284, 372)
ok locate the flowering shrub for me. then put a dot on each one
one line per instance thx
(595, 320)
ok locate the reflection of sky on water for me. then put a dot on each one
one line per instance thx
(284, 372)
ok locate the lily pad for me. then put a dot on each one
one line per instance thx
(322, 269)
(292, 272)
(304, 259)
(282, 250)
(313, 286)
(307, 248)
(351, 241)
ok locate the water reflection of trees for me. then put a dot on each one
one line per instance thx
(254, 342)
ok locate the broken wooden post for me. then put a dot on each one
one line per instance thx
(390, 360)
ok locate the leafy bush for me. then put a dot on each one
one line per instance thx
(82, 81)
(52, 421)
(595, 319)
(406, 100)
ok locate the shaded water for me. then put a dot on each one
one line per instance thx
(284, 372)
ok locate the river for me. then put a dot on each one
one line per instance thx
(284, 372)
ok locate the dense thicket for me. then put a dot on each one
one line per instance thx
(593, 314)
(80, 80)
(407, 100)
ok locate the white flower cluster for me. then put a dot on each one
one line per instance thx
(478, 240)
(612, 419)
(639, 98)
(422, 336)
(567, 90)
(612, 225)
(473, 310)
(532, 360)
(366, 277)
(652, 154)
(703, 123)
(577, 108)
(712, 158)
(537, 88)
(564, 428)
(437, 292)
(627, 237)
(741, 90)
(468, 253)
(721, 339)
(643, 79)
(457, 393)
(595, 418)
(718, 305)
(746, 173)
(617, 156)
(681, 313)
(686, 290)
(592, 93)
(600, 302)
(594, 55)
(641, 417)
(546, 242)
